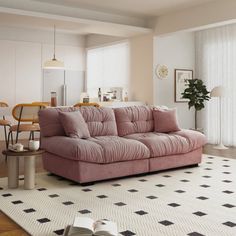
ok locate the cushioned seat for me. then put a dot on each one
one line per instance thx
(74, 149)
(161, 144)
(102, 149)
(117, 149)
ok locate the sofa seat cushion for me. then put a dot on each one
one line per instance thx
(161, 144)
(120, 149)
(74, 149)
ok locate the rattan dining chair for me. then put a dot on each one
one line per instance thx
(27, 114)
(6, 124)
(93, 104)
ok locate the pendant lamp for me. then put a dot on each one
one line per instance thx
(54, 63)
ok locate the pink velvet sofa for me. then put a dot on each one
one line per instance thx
(122, 143)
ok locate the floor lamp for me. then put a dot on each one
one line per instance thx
(218, 92)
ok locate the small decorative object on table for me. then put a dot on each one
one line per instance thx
(87, 226)
(34, 145)
(18, 147)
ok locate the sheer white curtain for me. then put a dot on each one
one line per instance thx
(107, 67)
(216, 65)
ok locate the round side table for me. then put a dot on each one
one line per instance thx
(29, 167)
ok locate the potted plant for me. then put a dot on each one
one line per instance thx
(197, 94)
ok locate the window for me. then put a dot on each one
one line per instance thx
(107, 67)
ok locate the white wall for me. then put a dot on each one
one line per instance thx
(23, 53)
(177, 51)
(141, 67)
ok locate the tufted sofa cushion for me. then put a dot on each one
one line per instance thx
(135, 119)
(100, 121)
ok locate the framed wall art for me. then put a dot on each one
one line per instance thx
(181, 78)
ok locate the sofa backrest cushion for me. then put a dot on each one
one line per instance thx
(165, 120)
(74, 124)
(135, 119)
(49, 121)
(101, 121)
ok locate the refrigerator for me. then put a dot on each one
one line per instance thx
(68, 84)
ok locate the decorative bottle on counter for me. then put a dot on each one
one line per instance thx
(99, 95)
(53, 99)
(126, 97)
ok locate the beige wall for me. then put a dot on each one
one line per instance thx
(141, 68)
(216, 12)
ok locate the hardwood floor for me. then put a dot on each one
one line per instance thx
(10, 228)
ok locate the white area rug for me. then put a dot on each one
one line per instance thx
(191, 201)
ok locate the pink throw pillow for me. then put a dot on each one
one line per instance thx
(165, 120)
(74, 124)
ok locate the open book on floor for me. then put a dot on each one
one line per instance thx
(84, 226)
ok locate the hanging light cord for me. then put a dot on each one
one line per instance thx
(54, 56)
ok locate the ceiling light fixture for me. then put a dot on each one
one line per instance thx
(54, 63)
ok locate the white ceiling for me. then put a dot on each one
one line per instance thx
(138, 8)
(122, 18)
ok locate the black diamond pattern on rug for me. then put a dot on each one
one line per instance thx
(133, 190)
(43, 220)
(207, 169)
(116, 185)
(202, 198)
(87, 190)
(180, 191)
(17, 202)
(226, 166)
(229, 223)
(30, 210)
(227, 181)
(228, 205)
(102, 196)
(59, 232)
(85, 211)
(53, 195)
(141, 212)
(199, 213)
(226, 172)
(205, 186)
(166, 176)
(7, 195)
(173, 204)
(127, 233)
(209, 162)
(166, 222)
(227, 192)
(184, 180)
(41, 189)
(188, 172)
(142, 180)
(206, 176)
(195, 234)
(67, 203)
(120, 204)
(151, 197)
(160, 185)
